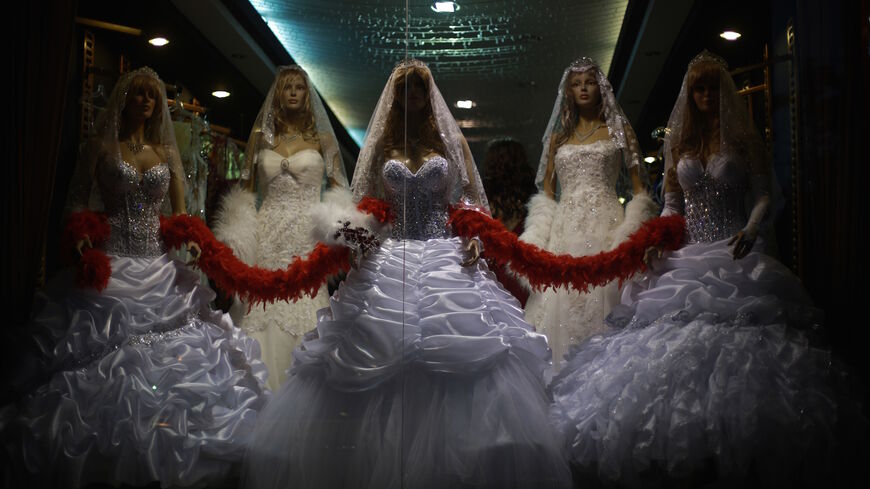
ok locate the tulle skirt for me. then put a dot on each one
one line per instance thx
(422, 373)
(148, 383)
(712, 378)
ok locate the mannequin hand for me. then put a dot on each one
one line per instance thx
(650, 253)
(195, 252)
(473, 249)
(355, 258)
(743, 242)
(86, 241)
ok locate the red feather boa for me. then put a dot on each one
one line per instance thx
(254, 284)
(544, 269)
(93, 267)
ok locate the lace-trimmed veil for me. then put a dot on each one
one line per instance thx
(736, 131)
(263, 134)
(367, 178)
(104, 145)
(617, 123)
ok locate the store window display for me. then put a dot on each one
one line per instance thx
(422, 372)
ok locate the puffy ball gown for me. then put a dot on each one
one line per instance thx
(713, 376)
(147, 383)
(422, 372)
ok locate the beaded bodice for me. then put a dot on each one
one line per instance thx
(590, 169)
(133, 202)
(714, 197)
(419, 200)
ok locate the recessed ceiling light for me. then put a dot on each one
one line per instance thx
(650, 159)
(220, 93)
(158, 41)
(445, 7)
(730, 35)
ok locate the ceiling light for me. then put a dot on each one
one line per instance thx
(158, 41)
(465, 104)
(650, 159)
(445, 7)
(220, 93)
(730, 35)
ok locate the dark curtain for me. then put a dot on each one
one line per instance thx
(39, 41)
(832, 62)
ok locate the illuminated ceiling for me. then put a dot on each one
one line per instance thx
(507, 56)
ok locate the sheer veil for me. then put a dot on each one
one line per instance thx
(367, 179)
(736, 131)
(617, 124)
(104, 145)
(263, 134)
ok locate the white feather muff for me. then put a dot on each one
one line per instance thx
(539, 221)
(235, 223)
(336, 208)
(638, 210)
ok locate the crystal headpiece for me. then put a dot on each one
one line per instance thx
(582, 63)
(708, 57)
(145, 70)
(410, 62)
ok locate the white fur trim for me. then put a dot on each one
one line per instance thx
(336, 208)
(539, 221)
(236, 223)
(638, 210)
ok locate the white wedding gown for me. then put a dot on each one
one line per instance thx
(421, 374)
(289, 188)
(147, 383)
(584, 222)
(712, 375)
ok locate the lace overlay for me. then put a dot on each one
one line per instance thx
(133, 201)
(423, 196)
(714, 198)
(585, 218)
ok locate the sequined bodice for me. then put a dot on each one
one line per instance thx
(714, 197)
(133, 201)
(419, 200)
(300, 174)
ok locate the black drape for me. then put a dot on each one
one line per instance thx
(832, 62)
(39, 42)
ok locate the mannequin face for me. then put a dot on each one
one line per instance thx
(141, 100)
(294, 93)
(705, 94)
(416, 93)
(584, 90)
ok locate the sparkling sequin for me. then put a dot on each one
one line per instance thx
(133, 202)
(714, 209)
(420, 199)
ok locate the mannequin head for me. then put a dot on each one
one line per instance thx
(582, 97)
(142, 108)
(411, 86)
(701, 112)
(291, 103)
